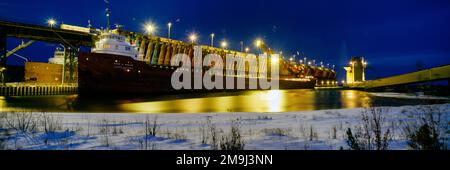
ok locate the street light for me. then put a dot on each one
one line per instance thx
(247, 49)
(212, 39)
(150, 28)
(169, 25)
(51, 22)
(224, 44)
(258, 42)
(193, 38)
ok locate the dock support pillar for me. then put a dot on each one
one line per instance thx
(71, 56)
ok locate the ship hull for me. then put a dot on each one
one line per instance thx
(119, 75)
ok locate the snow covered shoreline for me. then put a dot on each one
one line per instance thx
(419, 96)
(305, 130)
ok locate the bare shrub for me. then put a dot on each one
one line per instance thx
(105, 131)
(2, 121)
(277, 131)
(151, 127)
(369, 135)
(3, 131)
(213, 134)
(429, 131)
(233, 140)
(203, 133)
(313, 135)
(24, 122)
(116, 130)
(50, 123)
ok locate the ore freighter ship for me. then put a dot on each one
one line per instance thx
(114, 67)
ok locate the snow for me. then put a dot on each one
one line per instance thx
(408, 96)
(260, 131)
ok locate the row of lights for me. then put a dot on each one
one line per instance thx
(312, 62)
(150, 29)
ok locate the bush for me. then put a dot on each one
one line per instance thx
(429, 131)
(151, 127)
(105, 131)
(22, 122)
(233, 141)
(313, 134)
(50, 123)
(370, 135)
(213, 134)
(277, 131)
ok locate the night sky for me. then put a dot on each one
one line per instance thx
(393, 35)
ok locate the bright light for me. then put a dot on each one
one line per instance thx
(290, 59)
(258, 43)
(193, 37)
(169, 25)
(150, 28)
(301, 61)
(212, 35)
(247, 49)
(274, 59)
(51, 22)
(309, 63)
(224, 44)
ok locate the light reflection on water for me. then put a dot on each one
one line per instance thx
(249, 101)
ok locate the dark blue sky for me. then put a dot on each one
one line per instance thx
(393, 35)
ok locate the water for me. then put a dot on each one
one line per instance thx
(248, 101)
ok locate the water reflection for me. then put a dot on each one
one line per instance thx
(249, 101)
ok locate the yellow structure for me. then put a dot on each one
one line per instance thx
(356, 70)
(37, 72)
(428, 75)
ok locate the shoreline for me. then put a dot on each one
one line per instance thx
(304, 130)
